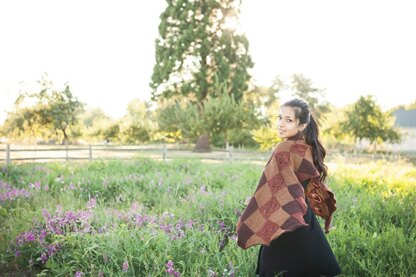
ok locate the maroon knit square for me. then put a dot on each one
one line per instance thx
(268, 229)
(295, 190)
(270, 207)
(292, 207)
(251, 208)
(283, 159)
(276, 183)
(244, 234)
(263, 180)
(298, 148)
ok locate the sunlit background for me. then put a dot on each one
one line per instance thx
(105, 49)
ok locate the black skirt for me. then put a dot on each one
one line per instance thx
(302, 252)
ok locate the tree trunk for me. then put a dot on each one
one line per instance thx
(202, 144)
(65, 140)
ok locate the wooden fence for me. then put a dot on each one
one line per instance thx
(42, 153)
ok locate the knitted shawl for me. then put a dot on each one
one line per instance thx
(278, 204)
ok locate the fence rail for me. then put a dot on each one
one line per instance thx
(43, 153)
(33, 153)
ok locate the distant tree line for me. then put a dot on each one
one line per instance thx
(56, 116)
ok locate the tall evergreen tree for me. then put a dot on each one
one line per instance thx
(200, 53)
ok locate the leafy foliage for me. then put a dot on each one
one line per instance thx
(365, 120)
(198, 53)
(222, 117)
(133, 217)
(50, 111)
(302, 87)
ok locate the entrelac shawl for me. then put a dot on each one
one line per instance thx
(278, 204)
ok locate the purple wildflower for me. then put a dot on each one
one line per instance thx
(134, 206)
(100, 274)
(58, 209)
(222, 226)
(92, 203)
(44, 257)
(170, 269)
(42, 235)
(37, 185)
(189, 224)
(30, 236)
(46, 214)
(78, 274)
(125, 266)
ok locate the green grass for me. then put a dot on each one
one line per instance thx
(148, 212)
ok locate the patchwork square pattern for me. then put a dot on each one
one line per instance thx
(278, 204)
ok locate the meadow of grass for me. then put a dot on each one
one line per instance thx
(152, 218)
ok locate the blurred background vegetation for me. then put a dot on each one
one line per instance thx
(203, 95)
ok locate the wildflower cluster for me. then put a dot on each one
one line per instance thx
(9, 193)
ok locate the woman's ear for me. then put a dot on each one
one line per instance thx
(302, 127)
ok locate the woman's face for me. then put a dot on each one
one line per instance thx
(287, 124)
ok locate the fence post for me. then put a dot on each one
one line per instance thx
(230, 152)
(165, 150)
(90, 155)
(66, 150)
(8, 154)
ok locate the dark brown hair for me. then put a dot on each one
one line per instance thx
(311, 133)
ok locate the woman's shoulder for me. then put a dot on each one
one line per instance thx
(284, 145)
(287, 145)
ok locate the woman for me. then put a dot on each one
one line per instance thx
(281, 214)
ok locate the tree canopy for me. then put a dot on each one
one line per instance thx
(45, 113)
(199, 52)
(365, 120)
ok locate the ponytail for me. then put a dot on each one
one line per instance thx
(311, 133)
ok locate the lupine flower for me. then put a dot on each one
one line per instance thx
(78, 274)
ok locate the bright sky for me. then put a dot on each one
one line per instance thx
(105, 49)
